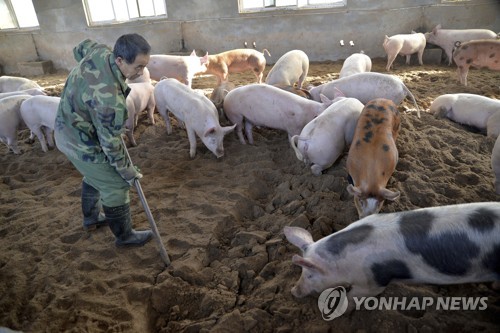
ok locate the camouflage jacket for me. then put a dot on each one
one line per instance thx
(92, 111)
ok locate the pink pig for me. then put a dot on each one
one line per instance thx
(261, 104)
(39, 113)
(182, 68)
(141, 97)
(405, 45)
(446, 38)
(195, 111)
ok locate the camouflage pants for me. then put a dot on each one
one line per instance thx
(114, 190)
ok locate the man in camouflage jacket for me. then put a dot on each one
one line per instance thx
(88, 128)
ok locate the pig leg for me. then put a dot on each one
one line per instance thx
(462, 74)
(164, 113)
(238, 120)
(408, 57)
(41, 138)
(420, 55)
(49, 132)
(248, 131)
(12, 144)
(130, 136)
(390, 60)
(259, 76)
(31, 139)
(151, 109)
(130, 129)
(192, 142)
(316, 169)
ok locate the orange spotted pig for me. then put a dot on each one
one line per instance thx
(373, 156)
(481, 53)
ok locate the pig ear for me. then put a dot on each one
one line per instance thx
(353, 190)
(204, 59)
(436, 28)
(209, 131)
(228, 129)
(389, 195)
(337, 93)
(193, 53)
(299, 237)
(325, 99)
(306, 263)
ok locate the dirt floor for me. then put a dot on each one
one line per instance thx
(221, 221)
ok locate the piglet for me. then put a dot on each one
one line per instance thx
(11, 120)
(141, 97)
(264, 105)
(469, 109)
(356, 63)
(182, 68)
(195, 111)
(366, 87)
(373, 156)
(39, 113)
(235, 61)
(405, 45)
(325, 137)
(483, 53)
(290, 69)
(446, 38)
(442, 245)
(14, 83)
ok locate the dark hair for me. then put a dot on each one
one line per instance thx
(129, 46)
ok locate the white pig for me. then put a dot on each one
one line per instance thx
(196, 111)
(291, 68)
(366, 87)
(30, 91)
(469, 109)
(182, 68)
(452, 244)
(495, 164)
(14, 83)
(141, 97)
(11, 120)
(446, 38)
(405, 45)
(261, 104)
(356, 63)
(39, 113)
(325, 137)
(482, 53)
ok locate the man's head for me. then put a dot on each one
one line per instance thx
(131, 53)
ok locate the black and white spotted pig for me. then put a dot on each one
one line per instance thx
(438, 245)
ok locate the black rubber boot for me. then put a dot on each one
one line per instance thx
(120, 223)
(91, 208)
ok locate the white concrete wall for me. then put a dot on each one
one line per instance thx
(216, 26)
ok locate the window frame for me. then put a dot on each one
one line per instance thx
(91, 23)
(15, 20)
(297, 6)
